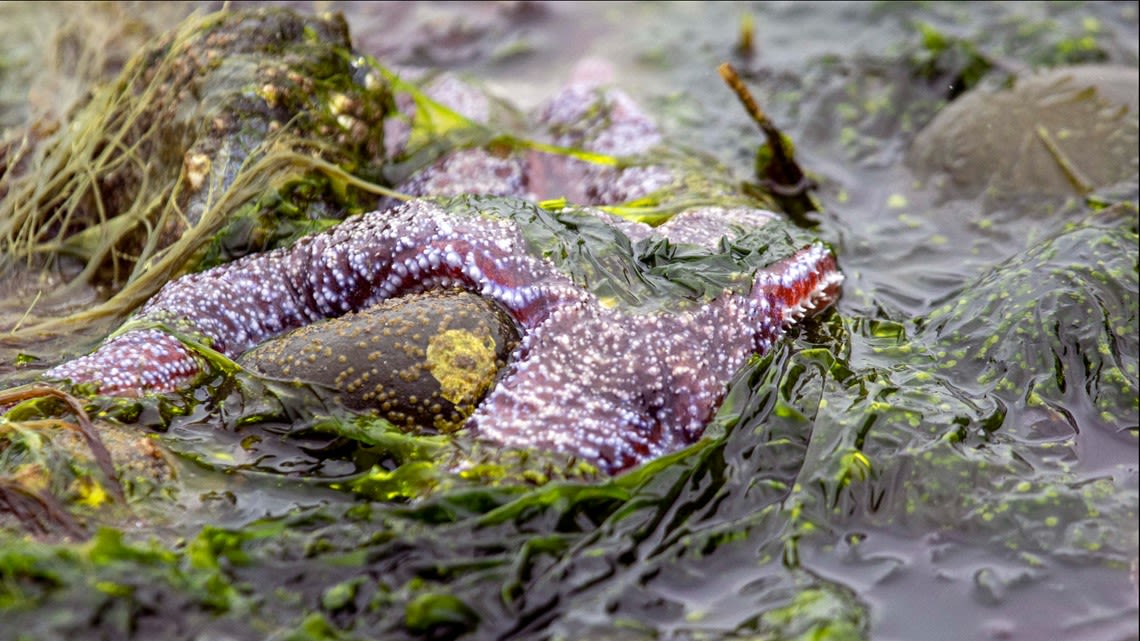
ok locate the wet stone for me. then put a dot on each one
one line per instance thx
(420, 361)
(1059, 133)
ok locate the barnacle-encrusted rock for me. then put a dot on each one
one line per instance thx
(419, 361)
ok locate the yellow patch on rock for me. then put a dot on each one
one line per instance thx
(464, 363)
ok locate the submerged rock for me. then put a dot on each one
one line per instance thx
(1066, 131)
(419, 361)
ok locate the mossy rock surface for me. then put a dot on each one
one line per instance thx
(146, 159)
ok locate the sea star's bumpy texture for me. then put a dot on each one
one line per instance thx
(612, 387)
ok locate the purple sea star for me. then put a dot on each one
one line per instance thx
(612, 387)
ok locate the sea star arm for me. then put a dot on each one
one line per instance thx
(362, 261)
(619, 389)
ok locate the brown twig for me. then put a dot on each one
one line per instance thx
(732, 79)
(1076, 177)
(746, 43)
(783, 175)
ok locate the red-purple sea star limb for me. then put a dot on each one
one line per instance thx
(618, 389)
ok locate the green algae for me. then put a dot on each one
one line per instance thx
(643, 276)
